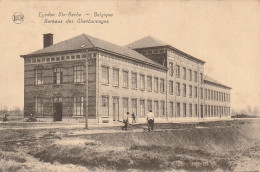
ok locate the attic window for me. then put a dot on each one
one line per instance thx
(94, 54)
(155, 51)
(38, 60)
(67, 57)
(62, 57)
(52, 59)
(161, 51)
(84, 55)
(149, 52)
(48, 59)
(43, 60)
(34, 60)
(72, 57)
(77, 56)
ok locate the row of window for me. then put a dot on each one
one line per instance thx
(78, 73)
(216, 96)
(77, 105)
(134, 83)
(59, 58)
(158, 107)
(190, 74)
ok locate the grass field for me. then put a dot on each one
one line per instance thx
(212, 146)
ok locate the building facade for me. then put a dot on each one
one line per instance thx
(88, 77)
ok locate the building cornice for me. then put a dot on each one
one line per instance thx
(92, 49)
(176, 50)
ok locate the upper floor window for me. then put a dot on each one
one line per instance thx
(206, 94)
(149, 83)
(57, 75)
(196, 92)
(134, 80)
(162, 85)
(78, 73)
(184, 72)
(201, 93)
(116, 77)
(38, 77)
(190, 89)
(190, 74)
(105, 75)
(177, 71)
(184, 90)
(195, 76)
(171, 87)
(201, 77)
(178, 88)
(125, 79)
(142, 82)
(171, 68)
(156, 84)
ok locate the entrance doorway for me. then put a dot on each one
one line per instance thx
(57, 109)
(115, 109)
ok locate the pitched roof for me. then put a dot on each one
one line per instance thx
(211, 80)
(146, 42)
(149, 41)
(84, 41)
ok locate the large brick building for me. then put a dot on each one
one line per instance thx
(88, 76)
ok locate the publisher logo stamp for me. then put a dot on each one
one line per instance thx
(18, 17)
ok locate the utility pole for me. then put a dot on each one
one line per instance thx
(86, 92)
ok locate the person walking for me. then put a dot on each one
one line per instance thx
(125, 121)
(133, 118)
(150, 120)
(4, 117)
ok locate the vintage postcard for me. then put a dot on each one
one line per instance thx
(129, 85)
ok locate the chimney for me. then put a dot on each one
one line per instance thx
(47, 40)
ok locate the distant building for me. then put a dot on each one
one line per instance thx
(86, 75)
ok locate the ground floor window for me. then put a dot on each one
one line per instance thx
(142, 108)
(125, 105)
(196, 109)
(134, 107)
(212, 111)
(78, 106)
(171, 109)
(206, 110)
(105, 106)
(201, 110)
(38, 106)
(184, 110)
(178, 108)
(162, 108)
(190, 108)
(150, 105)
(156, 108)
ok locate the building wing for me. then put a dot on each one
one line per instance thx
(208, 79)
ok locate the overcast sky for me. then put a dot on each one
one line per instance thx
(225, 34)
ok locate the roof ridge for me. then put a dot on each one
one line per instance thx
(89, 39)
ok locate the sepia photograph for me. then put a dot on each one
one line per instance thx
(129, 85)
